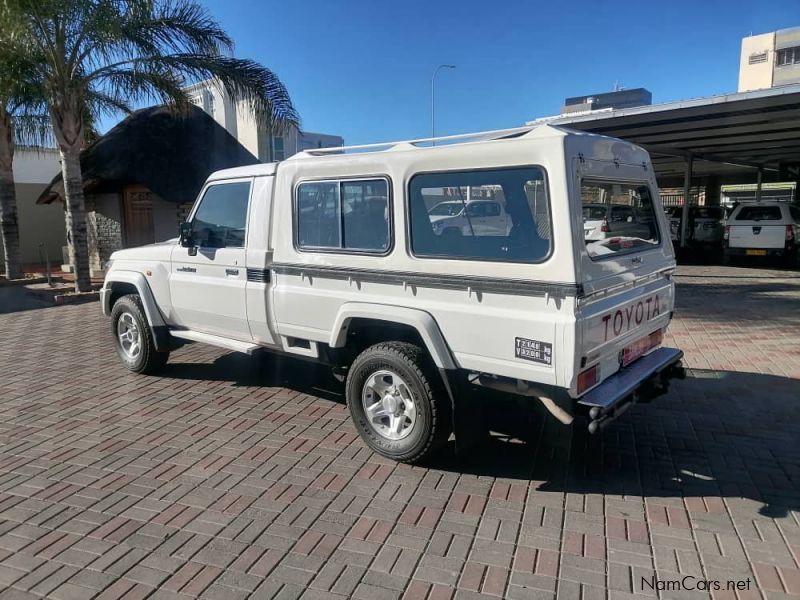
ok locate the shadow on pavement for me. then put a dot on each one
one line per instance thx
(717, 433)
(15, 298)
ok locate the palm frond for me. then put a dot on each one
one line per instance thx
(32, 129)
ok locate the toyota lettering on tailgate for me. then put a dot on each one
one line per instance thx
(628, 317)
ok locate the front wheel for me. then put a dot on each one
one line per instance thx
(396, 403)
(133, 338)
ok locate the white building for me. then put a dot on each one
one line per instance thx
(41, 228)
(770, 60)
(238, 120)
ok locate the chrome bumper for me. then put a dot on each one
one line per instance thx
(642, 381)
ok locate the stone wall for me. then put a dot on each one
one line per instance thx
(104, 220)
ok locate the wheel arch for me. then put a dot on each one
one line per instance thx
(417, 320)
(121, 283)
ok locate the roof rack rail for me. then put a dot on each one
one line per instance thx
(460, 137)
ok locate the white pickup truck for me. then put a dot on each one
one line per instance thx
(336, 256)
(766, 229)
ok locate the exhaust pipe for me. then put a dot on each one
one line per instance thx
(523, 388)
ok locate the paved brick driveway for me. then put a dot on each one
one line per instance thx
(230, 477)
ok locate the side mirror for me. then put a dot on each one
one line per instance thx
(186, 235)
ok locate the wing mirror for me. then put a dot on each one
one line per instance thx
(186, 240)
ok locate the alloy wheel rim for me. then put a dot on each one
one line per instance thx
(389, 405)
(130, 339)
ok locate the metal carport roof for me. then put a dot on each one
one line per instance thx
(730, 136)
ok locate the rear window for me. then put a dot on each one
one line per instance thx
(705, 212)
(631, 224)
(759, 213)
(493, 215)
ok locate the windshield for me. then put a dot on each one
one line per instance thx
(446, 209)
(594, 213)
(630, 224)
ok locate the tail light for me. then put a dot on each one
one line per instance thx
(587, 379)
(727, 233)
(790, 233)
(604, 226)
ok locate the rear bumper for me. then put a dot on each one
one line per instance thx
(642, 381)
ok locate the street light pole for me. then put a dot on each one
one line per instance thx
(433, 99)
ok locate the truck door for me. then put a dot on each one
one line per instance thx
(208, 279)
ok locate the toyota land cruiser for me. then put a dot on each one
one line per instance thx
(337, 256)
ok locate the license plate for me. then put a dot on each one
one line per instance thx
(640, 347)
(751, 252)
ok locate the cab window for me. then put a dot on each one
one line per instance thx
(221, 217)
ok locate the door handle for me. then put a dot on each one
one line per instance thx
(636, 259)
(231, 271)
(187, 269)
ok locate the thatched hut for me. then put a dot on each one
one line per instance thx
(141, 178)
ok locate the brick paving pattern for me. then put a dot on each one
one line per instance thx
(235, 477)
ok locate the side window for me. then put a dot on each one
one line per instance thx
(344, 215)
(219, 221)
(492, 209)
(319, 221)
(439, 228)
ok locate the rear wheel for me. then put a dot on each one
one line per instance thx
(133, 338)
(396, 402)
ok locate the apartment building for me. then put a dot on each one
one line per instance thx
(770, 60)
(240, 123)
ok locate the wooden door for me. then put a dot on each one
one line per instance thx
(138, 203)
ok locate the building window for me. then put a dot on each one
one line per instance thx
(788, 56)
(278, 152)
(212, 105)
(758, 57)
(343, 215)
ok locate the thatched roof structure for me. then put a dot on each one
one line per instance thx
(170, 154)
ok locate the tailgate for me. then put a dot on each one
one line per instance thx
(617, 328)
(756, 235)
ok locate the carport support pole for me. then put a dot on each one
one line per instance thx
(758, 184)
(687, 189)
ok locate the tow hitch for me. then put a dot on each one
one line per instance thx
(643, 381)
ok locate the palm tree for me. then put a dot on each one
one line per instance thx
(101, 57)
(21, 122)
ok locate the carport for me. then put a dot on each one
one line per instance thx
(748, 137)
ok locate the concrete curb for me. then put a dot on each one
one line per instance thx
(24, 281)
(73, 298)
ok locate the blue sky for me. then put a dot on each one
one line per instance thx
(362, 68)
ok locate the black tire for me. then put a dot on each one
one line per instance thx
(432, 425)
(147, 359)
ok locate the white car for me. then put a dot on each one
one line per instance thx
(473, 217)
(706, 224)
(334, 256)
(767, 229)
(603, 221)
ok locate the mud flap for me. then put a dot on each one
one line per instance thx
(469, 424)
